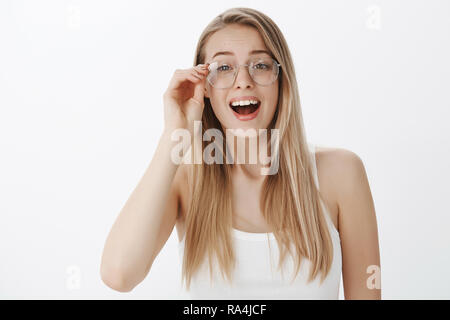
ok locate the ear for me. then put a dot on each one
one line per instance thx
(206, 93)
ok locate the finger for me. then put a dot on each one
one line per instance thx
(199, 91)
(199, 74)
(194, 75)
(201, 70)
(177, 78)
(181, 76)
(202, 66)
(198, 71)
(194, 79)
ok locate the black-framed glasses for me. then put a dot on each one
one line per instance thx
(223, 71)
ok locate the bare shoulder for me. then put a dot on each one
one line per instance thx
(343, 175)
(338, 169)
(338, 159)
(346, 177)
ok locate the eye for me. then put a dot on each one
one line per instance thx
(261, 66)
(223, 68)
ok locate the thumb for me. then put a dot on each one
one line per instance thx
(199, 93)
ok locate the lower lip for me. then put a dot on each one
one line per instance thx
(246, 117)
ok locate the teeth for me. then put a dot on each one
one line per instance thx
(244, 103)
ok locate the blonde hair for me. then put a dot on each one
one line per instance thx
(289, 199)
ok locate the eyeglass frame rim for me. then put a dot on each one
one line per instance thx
(238, 67)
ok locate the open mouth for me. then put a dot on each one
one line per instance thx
(246, 109)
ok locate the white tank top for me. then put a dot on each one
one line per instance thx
(256, 275)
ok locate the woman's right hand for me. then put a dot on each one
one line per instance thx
(183, 99)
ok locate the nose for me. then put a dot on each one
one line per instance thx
(243, 78)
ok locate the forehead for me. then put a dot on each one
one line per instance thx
(238, 39)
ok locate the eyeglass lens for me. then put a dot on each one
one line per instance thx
(264, 71)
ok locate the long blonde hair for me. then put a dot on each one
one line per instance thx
(289, 199)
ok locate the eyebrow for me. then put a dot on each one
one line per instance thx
(231, 53)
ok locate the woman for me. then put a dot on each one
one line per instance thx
(234, 222)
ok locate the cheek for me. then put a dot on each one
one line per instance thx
(273, 98)
(218, 101)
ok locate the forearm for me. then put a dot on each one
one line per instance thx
(132, 239)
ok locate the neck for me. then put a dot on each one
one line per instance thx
(249, 154)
